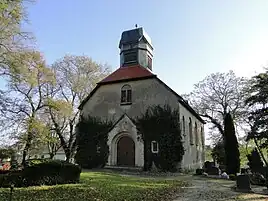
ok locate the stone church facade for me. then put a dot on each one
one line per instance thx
(125, 95)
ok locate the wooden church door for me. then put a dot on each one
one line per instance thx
(126, 152)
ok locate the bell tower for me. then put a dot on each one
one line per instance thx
(136, 49)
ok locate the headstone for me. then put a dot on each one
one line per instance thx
(243, 183)
(213, 171)
(208, 165)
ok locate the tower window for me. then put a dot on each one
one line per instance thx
(126, 94)
(149, 62)
(130, 57)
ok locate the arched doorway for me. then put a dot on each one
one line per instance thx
(125, 152)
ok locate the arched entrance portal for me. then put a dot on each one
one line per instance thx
(125, 152)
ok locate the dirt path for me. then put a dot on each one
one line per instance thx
(205, 189)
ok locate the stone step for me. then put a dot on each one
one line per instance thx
(122, 168)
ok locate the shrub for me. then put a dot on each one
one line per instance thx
(255, 162)
(218, 153)
(257, 179)
(4, 171)
(232, 177)
(50, 172)
(232, 155)
(92, 148)
(161, 124)
(32, 162)
(199, 171)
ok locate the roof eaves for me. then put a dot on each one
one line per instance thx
(182, 101)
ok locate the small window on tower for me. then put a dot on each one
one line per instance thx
(149, 62)
(126, 94)
(130, 57)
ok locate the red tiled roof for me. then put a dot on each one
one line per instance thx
(125, 73)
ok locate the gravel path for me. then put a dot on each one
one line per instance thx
(205, 189)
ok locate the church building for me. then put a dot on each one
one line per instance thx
(126, 94)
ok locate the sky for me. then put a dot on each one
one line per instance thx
(191, 39)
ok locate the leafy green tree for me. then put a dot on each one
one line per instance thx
(6, 153)
(13, 38)
(254, 161)
(218, 153)
(25, 98)
(258, 117)
(231, 146)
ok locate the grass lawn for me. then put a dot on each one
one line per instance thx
(99, 187)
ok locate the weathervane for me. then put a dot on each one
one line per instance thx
(136, 26)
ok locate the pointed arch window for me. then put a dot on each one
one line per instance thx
(202, 137)
(196, 134)
(183, 126)
(126, 94)
(191, 131)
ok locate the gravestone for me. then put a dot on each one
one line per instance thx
(213, 171)
(208, 165)
(243, 183)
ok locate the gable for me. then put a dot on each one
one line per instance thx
(123, 124)
(108, 97)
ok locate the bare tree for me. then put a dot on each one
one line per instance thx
(76, 77)
(217, 95)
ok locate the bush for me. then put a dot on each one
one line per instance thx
(50, 172)
(4, 171)
(232, 177)
(32, 162)
(255, 162)
(257, 179)
(92, 148)
(199, 171)
(231, 146)
(161, 124)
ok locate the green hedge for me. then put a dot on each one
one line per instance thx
(49, 172)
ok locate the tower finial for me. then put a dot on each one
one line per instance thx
(136, 26)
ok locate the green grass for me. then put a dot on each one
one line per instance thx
(97, 186)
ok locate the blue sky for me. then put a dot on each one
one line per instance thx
(191, 38)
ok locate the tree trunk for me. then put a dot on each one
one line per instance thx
(68, 155)
(26, 149)
(259, 150)
(51, 155)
